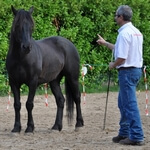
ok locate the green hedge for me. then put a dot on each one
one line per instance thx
(80, 21)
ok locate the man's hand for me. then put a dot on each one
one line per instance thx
(111, 65)
(101, 41)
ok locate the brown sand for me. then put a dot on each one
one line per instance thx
(90, 137)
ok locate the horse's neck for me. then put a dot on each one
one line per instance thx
(14, 47)
(13, 42)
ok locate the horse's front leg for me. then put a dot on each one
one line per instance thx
(56, 90)
(29, 107)
(17, 106)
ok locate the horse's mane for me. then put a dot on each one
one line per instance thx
(21, 17)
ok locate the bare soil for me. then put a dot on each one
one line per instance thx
(90, 137)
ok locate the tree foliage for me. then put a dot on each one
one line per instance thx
(80, 21)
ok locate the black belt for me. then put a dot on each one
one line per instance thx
(125, 68)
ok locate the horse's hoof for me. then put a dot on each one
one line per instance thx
(79, 124)
(16, 130)
(58, 128)
(29, 130)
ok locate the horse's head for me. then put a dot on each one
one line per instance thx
(22, 28)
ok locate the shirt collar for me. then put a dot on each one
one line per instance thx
(124, 26)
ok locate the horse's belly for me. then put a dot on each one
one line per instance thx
(48, 76)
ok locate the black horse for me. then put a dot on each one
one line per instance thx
(33, 63)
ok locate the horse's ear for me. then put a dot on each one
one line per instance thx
(13, 10)
(31, 10)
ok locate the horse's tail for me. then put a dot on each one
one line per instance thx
(69, 102)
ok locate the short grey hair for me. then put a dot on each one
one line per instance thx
(125, 11)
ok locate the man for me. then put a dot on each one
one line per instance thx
(128, 61)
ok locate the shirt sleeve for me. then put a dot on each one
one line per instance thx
(122, 46)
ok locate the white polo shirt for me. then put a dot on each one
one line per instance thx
(129, 46)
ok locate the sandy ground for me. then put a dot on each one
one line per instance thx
(90, 137)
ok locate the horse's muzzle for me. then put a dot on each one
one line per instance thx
(26, 48)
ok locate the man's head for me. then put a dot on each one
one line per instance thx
(123, 14)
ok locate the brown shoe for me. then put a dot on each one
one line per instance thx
(127, 141)
(117, 139)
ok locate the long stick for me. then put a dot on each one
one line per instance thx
(146, 91)
(107, 99)
(109, 75)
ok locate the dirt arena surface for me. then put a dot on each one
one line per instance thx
(90, 137)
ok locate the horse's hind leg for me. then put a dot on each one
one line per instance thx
(56, 90)
(72, 90)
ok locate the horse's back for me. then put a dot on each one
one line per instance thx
(58, 44)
